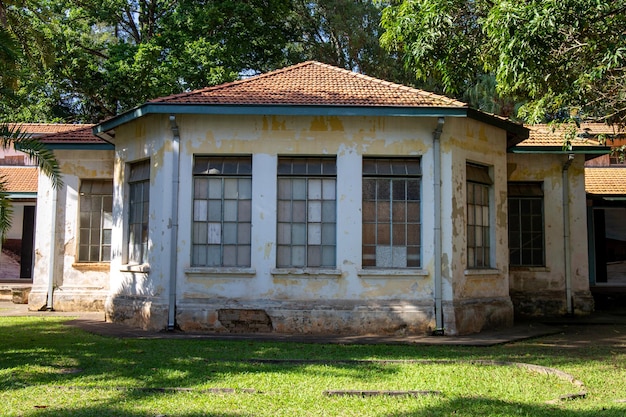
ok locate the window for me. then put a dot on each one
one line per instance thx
(222, 209)
(526, 241)
(391, 213)
(306, 235)
(478, 230)
(139, 204)
(95, 220)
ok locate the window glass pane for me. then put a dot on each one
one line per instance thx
(315, 189)
(399, 213)
(329, 189)
(315, 211)
(299, 213)
(243, 234)
(298, 234)
(314, 257)
(214, 255)
(399, 190)
(284, 211)
(328, 234)
(383, 212)
(328, 256)
(215, 188)
(230, 210)
(230, 233)
(245, 189)
(298, 256)
(314, 234)
(284, 189)
(200, 209)
(369, 189)
(298, 189)
(283, 256)
(215, 210)
(329, 213)
(284, 234)
(382, 190)
(244, 211)
(230, 255)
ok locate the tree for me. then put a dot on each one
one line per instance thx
(345, 33)
(11, 136)
(563, 55)
(557, 57)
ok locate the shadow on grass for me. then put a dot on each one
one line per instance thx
(44, 351)
(480, 407)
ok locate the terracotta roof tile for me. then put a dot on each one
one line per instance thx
(312, 83)
(553, 136)
(19, 179)
(605, 181)
(37, 129)
(82, 134)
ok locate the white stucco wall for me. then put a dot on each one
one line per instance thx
(345, 298)
(78, 286)
(542, 290)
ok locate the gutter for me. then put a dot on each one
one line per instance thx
(566, 234)
(438, 280)
(100, 130)
(171, 315)
(51, 260)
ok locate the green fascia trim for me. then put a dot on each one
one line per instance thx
(17, 196)
(318, 110)
(81, 146)
(589, 150)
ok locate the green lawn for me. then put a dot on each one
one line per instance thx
(50, 369)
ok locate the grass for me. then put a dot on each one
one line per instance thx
(50, 369)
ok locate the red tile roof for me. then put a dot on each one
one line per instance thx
(605, 181)
(554, 136)
(82, 134)
(312, 83)
(37, 129)
(19, 179)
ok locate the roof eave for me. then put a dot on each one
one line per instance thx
(589, 151)
(276, 109)
(21, 195)
(516, 132)
(81, 146)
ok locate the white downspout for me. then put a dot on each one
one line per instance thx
(171, 316)
(438, 281)
(566, 234)
(52, 253)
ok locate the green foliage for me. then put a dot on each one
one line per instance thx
(345, 33)
(110, 56)
(439, 40)
(561, 55)
(559, 58)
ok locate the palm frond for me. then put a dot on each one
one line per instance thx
(6, 208)
(44, 157)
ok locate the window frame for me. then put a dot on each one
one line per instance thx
(95, 191)
(518, 194)
(398, 242)
(313, 227)
(138, 186)
(478, 228)
(223, 172)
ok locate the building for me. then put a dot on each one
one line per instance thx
(312, 199)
